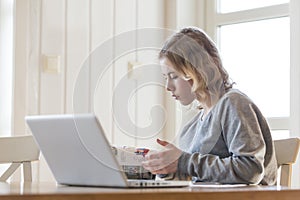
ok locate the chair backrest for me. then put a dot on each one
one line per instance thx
(286, 154)
(18, 150)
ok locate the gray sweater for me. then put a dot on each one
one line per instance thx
(232, 144)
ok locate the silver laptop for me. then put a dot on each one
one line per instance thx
(78, 153)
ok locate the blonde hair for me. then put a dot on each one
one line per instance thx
(196, 57)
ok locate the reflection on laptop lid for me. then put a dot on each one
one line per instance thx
(78, 153)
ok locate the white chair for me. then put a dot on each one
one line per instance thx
(18, 150)
(286, 154)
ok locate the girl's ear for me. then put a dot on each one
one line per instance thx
(191, 82)
(188, 79)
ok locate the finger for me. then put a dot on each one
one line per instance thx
(165, 143)
(162, 142)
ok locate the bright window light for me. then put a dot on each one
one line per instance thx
(257, 57)
(280, 134)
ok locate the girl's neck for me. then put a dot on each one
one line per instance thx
(205, 111)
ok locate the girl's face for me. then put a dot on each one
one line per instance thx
(181, 89)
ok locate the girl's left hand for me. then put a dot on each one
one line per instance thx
(163, 162)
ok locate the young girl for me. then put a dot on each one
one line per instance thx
(229, 140)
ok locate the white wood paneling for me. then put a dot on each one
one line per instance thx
(52, 43)
(88, 36)
(170, 20)
(102, 28)
(201, 13)
(32, 54)
(150, 13)
(21, 65)
(186, 13)
(124, 42)
(77, 51)
(148, 44)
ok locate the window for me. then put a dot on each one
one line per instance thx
(255, 52)
(254, 41)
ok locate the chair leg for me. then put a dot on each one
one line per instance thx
(285, 178)
(27, 171)
(12, 168)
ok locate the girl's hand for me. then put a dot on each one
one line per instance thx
(163, 162)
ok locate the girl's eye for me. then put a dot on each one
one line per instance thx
(173, 76)
(170, 77)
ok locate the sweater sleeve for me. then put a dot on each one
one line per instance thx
(240, 124)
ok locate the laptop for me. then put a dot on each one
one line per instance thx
(79, 154)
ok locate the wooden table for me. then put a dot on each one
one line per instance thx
(49, 191)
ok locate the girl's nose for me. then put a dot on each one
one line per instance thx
(169, 86)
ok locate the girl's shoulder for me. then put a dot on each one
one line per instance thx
(234, 99)
(235, 95)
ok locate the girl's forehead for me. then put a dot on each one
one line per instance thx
(166, 66)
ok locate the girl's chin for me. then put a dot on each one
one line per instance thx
(184, 103)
